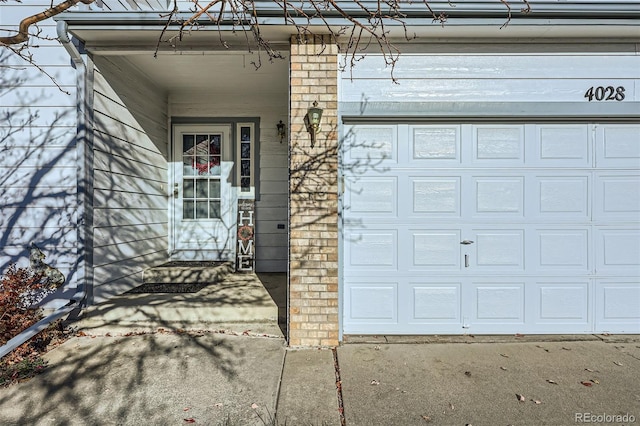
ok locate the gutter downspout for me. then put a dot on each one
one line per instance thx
(84, 191)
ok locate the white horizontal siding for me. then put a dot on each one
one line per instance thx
(130, 177)
(37, 148)
(528, 75)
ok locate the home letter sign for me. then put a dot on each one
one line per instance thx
(246, 246)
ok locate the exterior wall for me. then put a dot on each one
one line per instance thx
(130, 177)
(38, 192)
(270, 104)
(495, 73)
(313, 221)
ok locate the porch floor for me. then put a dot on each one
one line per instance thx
(238, 302)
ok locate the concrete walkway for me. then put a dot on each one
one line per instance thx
(243, 378)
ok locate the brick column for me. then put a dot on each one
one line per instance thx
(313, 196)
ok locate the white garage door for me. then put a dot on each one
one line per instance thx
(491, 228)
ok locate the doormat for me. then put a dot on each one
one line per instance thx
(168, 288)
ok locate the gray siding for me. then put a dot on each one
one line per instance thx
(130, 177)
(38, 195)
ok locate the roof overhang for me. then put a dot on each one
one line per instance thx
(470, 20)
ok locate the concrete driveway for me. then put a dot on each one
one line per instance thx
(242, 376)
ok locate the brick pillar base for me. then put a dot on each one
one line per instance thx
(313, 196)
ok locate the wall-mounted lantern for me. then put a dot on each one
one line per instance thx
(282, 130)
(312, 121)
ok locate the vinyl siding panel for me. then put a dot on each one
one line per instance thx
(130, 175)
(38, 183)
(534, 73)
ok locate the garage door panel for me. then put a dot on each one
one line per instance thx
(436, 249)
(436, 303)
(375, 248)
(366, 147)
(618, 145)
(373, 196)
(375, 302)
(561, 250)
(562, 302)
(618, 306)
(497, 302)
(436, 196)
(558, 145)
(434, 146)
(497, 250)
(497, 196)
(618, 251)
(617, 197)
(498, 145)
(561, 197)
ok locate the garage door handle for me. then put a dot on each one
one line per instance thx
(466, 242)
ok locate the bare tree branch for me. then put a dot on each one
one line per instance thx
(23, 31)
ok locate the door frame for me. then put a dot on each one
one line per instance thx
(234, 124)
(176, 189)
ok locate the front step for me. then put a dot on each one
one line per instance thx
(238, 298)
(183, 277)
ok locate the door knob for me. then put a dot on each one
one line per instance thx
(466, 242)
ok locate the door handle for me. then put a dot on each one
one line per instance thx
(466, 242)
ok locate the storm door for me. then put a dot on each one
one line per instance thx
(203, 199)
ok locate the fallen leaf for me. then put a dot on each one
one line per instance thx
(375, 382)
(190, 420)
(536, 401)
(521, 398)
(587, 384)
(254, 406)
(504, 355)
(503, 368)
(553, 382)
(618, 363)
(426, 418)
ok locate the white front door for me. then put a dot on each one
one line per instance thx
(203, 207)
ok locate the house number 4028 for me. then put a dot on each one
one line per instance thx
(608, 93)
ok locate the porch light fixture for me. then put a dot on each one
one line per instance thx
(312, 121)
(282, 130)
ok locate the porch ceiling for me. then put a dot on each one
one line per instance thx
(230, 73)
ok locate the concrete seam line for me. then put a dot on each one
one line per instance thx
(336, 366)
(275, 406)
